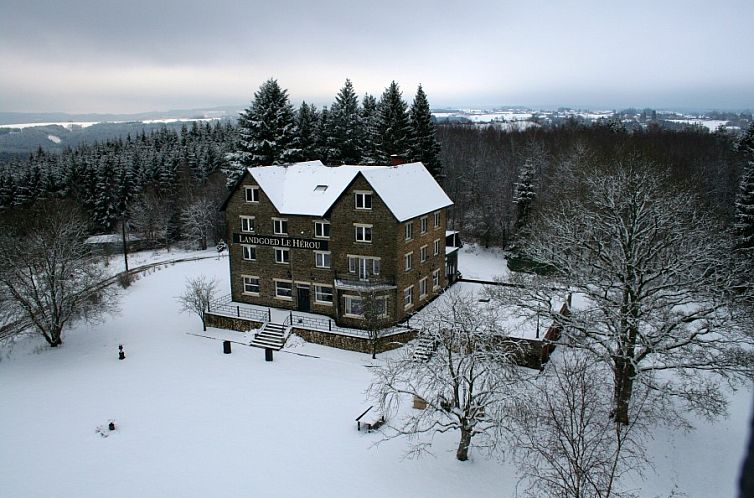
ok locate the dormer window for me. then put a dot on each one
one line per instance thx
(363, 200)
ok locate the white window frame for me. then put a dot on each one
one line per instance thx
(348, 307)
(437, 247)
(408, 297)
(408, 261)
(376, 266)
(318, 290)
(277, 226)
(364, 195)
(283, 296)
(423, 224)
(254, 191)
(284, 260)
(423, 288)
(436, 279)
(248, 224)
(437, 219)
(361, 227)
(322, 259)
(408, 230)
(246, 280)
(319, 226)
(248, 248)
(423, 254)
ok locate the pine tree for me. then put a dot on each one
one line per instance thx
(524, 193)
(424, 146)
(369, 130)
(346, 126)
(105, 209)
(266, 130)
(324, 145)
(306, 132)
(392, 125)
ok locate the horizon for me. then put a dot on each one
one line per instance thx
(110, 57)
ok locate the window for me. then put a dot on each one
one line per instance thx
(320, 188)
(249, 253)
(323, 294)
(322, 259)
(280, 226)
(423, 224)
(322, 229)
(248, 224)
(409, 230)
(408, 261)
(437, 219)
(423, 254)
(354, 307)
(363, 233)
(283, 289)
(423, 288)
(252, 194)
(282, 256)
(408, 297)
(251, 285)
(436, 279)
(437, 247)
(363, 200)
(363, 265)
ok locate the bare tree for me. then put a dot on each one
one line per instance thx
(198, 296)
(650, 272)
(561, 437)
(47, 274)
(462, 383)
(199, 219)
(375, 317)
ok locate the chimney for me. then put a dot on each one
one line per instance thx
(397, 159)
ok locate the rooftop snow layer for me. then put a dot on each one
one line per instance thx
(408, 190)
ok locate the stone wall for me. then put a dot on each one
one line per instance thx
(350, 343)
(229, 322)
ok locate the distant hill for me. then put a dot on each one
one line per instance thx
(8, 118)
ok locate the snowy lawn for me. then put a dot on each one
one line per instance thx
(192, 422)
(477, 263)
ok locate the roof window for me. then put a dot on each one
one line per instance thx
(320, 188)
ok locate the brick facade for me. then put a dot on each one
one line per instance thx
(388, 245)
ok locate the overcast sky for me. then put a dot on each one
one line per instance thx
(145, 55)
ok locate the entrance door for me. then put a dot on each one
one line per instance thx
(303, 298)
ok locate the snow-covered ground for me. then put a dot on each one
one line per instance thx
(193, 422)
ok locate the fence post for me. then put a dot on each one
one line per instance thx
(269, 315)
(238, 311)
(291, 316)
(329, 324)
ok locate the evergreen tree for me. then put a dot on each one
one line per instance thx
(266, 130)
(424, 146)
(369, 130)
(524, 193)
(324, 146)
(346, 126)
(105, 209)
(392, 126)
(306, 132)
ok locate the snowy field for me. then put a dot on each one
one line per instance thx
(192, 422)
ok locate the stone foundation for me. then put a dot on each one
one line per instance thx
(359, 344)
(231, 323)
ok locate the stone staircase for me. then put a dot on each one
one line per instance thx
(272, 336)
(424, 349)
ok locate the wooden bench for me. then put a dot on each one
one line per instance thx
(371, 422)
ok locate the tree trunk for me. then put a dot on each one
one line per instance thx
(624, 383)
(462, 453)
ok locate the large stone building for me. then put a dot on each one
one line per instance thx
(330, 240)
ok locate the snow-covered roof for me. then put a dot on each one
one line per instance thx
(311, 188)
